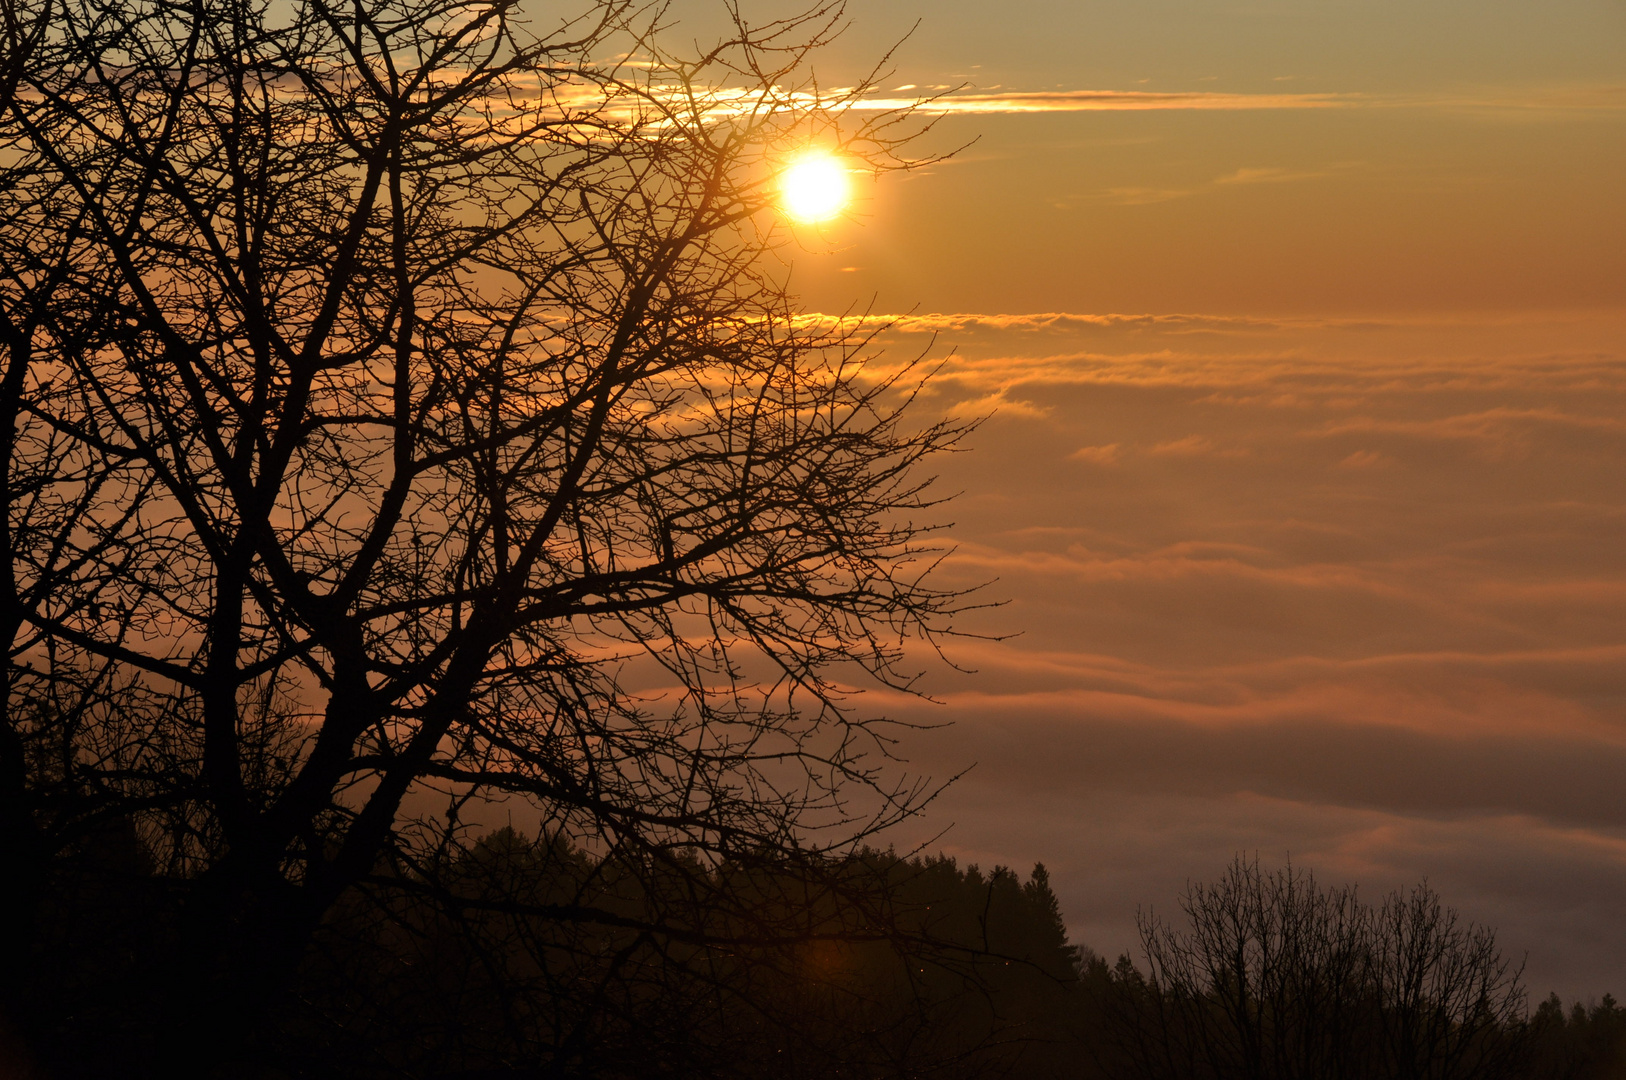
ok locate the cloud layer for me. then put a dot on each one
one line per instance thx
(1345, 589)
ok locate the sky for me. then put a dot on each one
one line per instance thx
(1301, 330)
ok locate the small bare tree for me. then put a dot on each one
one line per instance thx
(1450, 1000)
(411, 416)
(1278, 977)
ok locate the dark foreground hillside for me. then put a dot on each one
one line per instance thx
(532, 958)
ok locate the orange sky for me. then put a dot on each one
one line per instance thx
(1364, 208)
(1306, 472)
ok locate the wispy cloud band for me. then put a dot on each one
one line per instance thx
(1109, 100)
(1552, 98)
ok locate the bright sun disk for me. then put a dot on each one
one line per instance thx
(814, 187)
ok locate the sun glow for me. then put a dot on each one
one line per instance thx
(814, 187)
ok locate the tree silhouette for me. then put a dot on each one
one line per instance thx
(1586, 1044)
(409, 418)
(1279, 977)
(501, 984)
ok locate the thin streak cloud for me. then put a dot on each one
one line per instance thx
(1110, 100)
(1539, 99)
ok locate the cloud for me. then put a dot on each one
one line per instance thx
(996, 404)
(1382, 635)
(1365, 459)
(1551, 891)
(1051, 321)
(1340, 364)
(1485, 424)
(1269, 176)
(1109, 101)
(1190, 446)
(1544, 100)
(1146, 196)
(668, 103)
(1318, 754)
(1523, 831)
(1193, 446)
(1096, 455)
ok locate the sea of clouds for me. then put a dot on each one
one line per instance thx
(1349, 591)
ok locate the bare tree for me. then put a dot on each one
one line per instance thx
(424, 424)
(50, 307)
(1450, 999)
(1278, 977)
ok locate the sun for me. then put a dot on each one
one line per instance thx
(814, 187)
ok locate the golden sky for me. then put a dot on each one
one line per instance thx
(1302, 324)
(1297, 156)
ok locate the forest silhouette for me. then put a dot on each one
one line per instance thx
(1265, 975)
(405, 427)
